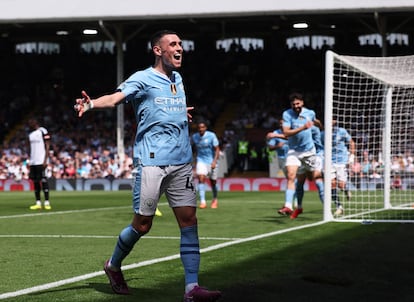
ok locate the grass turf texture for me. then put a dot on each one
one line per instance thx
(328, 262)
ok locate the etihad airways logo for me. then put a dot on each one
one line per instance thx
(171, 104)
(169, 101)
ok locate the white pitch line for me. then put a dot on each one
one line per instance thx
(71, 211)
(111, 237)
(64, 212)
(149, 262)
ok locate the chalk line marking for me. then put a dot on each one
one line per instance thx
(65, 212)
(110, 237)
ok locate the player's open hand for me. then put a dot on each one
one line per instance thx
(189, 116)
(83, 104)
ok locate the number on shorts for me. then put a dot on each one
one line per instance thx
(189, 184)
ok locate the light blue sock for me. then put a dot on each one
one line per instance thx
(289, 196)
(190, 253)
(202, 191)
(126, 241)
(321, 190)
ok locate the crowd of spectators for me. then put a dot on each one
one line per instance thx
(255, 81)
(369, 168)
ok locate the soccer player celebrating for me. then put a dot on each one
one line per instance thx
(207, 150)
(162, 157)
(301, 158)
(315, 174)
(343, 153)
(276, 140)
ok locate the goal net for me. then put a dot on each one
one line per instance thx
(373, 99)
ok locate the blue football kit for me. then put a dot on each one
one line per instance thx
(317, 140)
(340, 140)
(303, 140)
(205, 146)
(282, 151)
(160, 109)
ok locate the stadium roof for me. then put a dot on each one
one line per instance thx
(78, 10)
(41, 19)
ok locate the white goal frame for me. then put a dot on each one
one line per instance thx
(347, 83)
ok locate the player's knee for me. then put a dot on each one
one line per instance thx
(142, 229)
(187, 221)
(142, 224)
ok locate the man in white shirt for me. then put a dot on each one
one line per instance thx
(39, 139)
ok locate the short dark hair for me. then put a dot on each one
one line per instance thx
(156, 37)
(295, 96)
(202, 122)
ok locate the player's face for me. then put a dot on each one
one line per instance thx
(32, 124)
(297, 105)
(202, 129)
(171, 51)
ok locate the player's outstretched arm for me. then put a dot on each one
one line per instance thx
(271, 135)
(85, 103)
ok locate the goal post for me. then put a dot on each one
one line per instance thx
(373, 99)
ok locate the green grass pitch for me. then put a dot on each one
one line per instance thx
(249, 252)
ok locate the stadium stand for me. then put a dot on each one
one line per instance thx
(239, 91)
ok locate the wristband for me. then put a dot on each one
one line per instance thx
(87, 106)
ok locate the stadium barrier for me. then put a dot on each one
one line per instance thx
(224, 184)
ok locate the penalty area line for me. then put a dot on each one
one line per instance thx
(51, 285)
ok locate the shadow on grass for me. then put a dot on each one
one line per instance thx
(354, 263)
(359, 263)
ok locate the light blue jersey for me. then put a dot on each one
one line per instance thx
(160, 108)
(303, 140)
(205, 146)
(282, 151)
(340, 142)
(317, 140)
